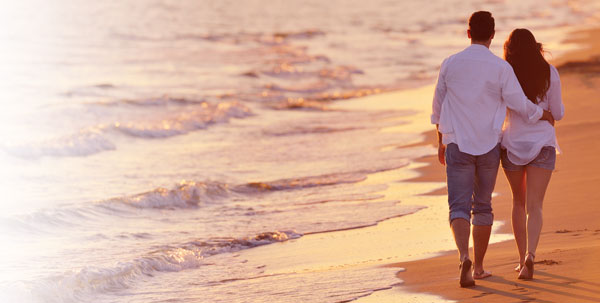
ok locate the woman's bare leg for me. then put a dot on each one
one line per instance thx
(537, 183)
(518, 186)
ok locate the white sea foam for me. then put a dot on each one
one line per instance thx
(157, 102)
(184, 122)
(83, 76)
(83, 143)
(96, 139)
(186, 194)
(83, 284)
(309, 181)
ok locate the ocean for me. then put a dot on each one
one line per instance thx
(227, 151)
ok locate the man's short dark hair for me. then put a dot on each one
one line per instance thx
(481, 25)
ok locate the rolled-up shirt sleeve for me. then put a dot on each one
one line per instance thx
(515, 99)
(439, 95)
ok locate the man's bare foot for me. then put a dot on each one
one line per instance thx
(466, 278)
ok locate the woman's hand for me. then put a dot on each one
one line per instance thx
(548, 117)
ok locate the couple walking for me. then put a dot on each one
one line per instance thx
(473, 92)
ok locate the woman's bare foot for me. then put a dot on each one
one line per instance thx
(482, 274)
(526, 272)
(518, 268)
(466, 277)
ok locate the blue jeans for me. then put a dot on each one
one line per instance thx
(471, 180)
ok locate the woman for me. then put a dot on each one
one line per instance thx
(529, 150)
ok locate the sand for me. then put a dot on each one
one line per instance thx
(568, 255)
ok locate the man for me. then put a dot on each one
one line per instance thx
(474, 89)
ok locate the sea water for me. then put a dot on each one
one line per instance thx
(184, 150)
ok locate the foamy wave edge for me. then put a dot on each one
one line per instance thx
(83, 143)
(186, 194)
(185, 122)
(93, 140)
(78, 286)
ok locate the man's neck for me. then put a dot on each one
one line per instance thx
(484, 43)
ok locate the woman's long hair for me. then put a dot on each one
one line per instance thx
(525, 55)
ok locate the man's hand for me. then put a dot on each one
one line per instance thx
(441, 146)
(548, 117)
(442, 153)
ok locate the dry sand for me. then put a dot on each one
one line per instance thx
(568, 257)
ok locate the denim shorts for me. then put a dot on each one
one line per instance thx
(471, 181)
(545, 159)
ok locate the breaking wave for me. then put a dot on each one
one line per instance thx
(317, 101)
(77, 286)
(96, 139)
(187, 194)
(83, 143)
(159, 101)
(184, 122)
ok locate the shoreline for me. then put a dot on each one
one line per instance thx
(567, 266)
(374, 253)
(432, 276)
(365, 252)
(378, 248)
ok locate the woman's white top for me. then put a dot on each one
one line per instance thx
(524, 140)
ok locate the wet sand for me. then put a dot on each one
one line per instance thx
(567, 265)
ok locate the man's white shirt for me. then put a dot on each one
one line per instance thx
(473, 91)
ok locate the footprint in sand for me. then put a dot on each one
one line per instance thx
(548, 262)
(483, 294)
(520, 289)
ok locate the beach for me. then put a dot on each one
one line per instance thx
(265, 151)
(567, 267)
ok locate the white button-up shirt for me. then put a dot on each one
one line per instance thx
(524, 140)
(474, 89)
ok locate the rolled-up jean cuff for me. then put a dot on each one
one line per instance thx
(459, 215)
(483, 219)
